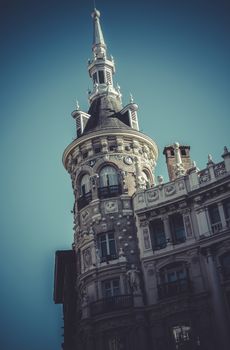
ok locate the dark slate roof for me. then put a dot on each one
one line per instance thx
(105, 114)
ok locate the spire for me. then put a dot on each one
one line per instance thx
(99, 46)
(101, 68)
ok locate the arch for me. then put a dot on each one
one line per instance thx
(109, 182)
(108, 176)
(84, 185)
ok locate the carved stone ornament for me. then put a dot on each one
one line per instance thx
(152, 195)
(188, 226)
(84, 215)
(87, 258)
(146, 238)
(111, 207)
(140, 198)
(169, 190)
(128, 160)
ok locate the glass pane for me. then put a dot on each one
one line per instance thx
(214, 214)
(108, 177)
(85, 184)
(112, 247)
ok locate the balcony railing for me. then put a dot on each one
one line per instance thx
(109, 191)
(84, 200)
(115, 303)
(109, 257)
(171, 289)
(216, 227)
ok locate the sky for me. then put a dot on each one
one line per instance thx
(173, 56)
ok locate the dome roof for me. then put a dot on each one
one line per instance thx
(105, 114)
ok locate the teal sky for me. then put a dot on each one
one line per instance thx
(172, 55)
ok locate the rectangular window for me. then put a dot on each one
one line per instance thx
(157, 234)
(226, 205)
(107, 247)
(110, 288)
(215, 220)
(177, 228)
(101, 76)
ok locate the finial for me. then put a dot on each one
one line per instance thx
(130, 98)
(210, 158)
(179, 168)
(77, 105)
(160, 179)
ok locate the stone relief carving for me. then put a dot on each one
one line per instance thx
(87, 258)
(146, 238)
(204, 176)
(169, 190)
(111, 207)
(140, 198)
(188, 226)
(219, 169)
(152, 195)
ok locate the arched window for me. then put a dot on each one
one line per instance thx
(84, 185)
(85, 195)
(173, 280)
(109, 184)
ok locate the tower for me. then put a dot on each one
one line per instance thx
(109, 161)
(150, 264)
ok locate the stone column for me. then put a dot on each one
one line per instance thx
(222, 216)
(168, 235)
(218, 303)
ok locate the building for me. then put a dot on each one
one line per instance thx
(150, 263)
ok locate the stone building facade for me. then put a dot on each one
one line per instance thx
(150, 264)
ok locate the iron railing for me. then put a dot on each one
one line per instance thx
(84, 200)
(109, 191)
(118, 302)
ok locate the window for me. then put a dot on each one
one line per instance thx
(172, 152)
(109, 185)
(110, 288)
(226, 205)
(107, 247)
(215, 220)
(101, 76)
(85, 185)
(97, 149)
(225, 265)
(183, 152)
(182, 337)
(85, 192)
(157, 234)
(173, 280)
(177, 228)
